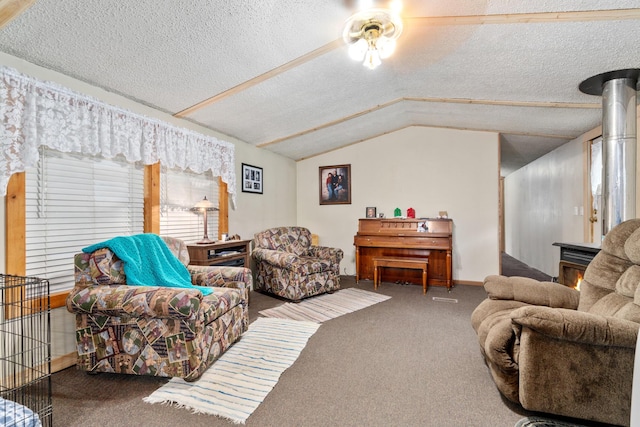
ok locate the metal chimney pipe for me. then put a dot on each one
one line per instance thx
(619, 142)
(619, 151)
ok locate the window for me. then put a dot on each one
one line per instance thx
(179, 192)
(73, 201)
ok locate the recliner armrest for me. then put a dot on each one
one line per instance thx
(220, 275)
(531, 291)
(303, 265)
(326, 252)
(576, 326)
(135, 301)
(278, 258)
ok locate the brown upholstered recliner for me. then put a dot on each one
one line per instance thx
(553, 349)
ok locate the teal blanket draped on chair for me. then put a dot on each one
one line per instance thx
(148, 261)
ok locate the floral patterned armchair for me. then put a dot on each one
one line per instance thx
(151, 330)
(290, 267)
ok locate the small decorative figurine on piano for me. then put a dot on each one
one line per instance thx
(411, 213)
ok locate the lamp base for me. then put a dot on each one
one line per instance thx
(205, 241)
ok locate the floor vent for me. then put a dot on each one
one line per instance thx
(440, 299)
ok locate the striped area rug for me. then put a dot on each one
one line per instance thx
(327, 306)
(241, 378)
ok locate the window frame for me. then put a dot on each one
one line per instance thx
(179, 193)
(73, 200)
(15, 222)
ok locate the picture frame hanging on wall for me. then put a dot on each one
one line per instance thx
(335, 185)
(252, 179)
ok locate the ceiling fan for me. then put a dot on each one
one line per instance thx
(371, 35)
(375, 25)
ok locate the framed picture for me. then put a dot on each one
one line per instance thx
(371, 212)
(251, 179)
(335, 185)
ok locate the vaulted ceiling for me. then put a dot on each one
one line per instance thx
(276, 73)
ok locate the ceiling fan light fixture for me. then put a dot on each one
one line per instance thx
(371, 35)
(372, 59)
(358, 50)
(386, 47)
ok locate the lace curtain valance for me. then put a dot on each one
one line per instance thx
(36, 113)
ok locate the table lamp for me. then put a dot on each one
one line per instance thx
(205, 206)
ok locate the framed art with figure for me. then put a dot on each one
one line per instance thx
(251, 179)
(335, 185)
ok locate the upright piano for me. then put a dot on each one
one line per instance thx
(410, 238)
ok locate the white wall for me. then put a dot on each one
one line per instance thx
(540, 202)
(252, 213)
(428, 169)
(277, 204)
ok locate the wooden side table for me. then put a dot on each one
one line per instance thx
(413, 263)
(231, 252)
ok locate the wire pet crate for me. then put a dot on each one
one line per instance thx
(25, 352)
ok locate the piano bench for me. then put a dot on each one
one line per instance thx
(411, 263)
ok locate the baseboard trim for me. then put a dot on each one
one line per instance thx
(467, 282)
(63, 362)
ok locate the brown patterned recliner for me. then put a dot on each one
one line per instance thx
(554, 349)
(287, 265)
(151, 330)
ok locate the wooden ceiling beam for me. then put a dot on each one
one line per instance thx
(530, 18)
(507, 103)
(10, 9)
(332, 123)
(262, 77)
(530, 134)
(529, 104)
(513, 18)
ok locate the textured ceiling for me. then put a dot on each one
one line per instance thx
(276, 75)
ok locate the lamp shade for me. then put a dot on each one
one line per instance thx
(205, 204)
(358, 50)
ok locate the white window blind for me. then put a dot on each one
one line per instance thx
(73, 201)
(179, 192)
